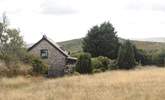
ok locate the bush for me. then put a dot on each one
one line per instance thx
(84, 63)
(38, 66)
(149, 59)
(13, 69)
(97, 71)
(112, 65)
(76, 73)
(159, 59)
(126, 56)
(14, 65)
(140, 56)
(26, 65)
(101, 63)
(146, 57)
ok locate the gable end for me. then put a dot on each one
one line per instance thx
(44, 38)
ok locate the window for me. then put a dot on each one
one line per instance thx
(44, 53)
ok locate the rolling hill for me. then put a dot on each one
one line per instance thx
(154, 39)
(75, 45)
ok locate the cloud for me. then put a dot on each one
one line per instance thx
(158, 7)
(141, 5)
(16, 7)
(73, 18)
(58, 7)
(135, 5)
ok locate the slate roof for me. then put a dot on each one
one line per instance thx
(55, 45)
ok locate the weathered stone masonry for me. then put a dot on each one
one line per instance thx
(56, 57)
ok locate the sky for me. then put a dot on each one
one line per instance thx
(70, 19)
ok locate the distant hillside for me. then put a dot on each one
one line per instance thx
(149, 46)
(75, 45)
(157, 39)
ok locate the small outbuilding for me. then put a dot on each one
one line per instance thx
(59, 61)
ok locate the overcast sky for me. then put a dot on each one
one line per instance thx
(69, 19)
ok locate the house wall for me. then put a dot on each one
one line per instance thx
(56, 60)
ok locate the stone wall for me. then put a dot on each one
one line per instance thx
(56, 60)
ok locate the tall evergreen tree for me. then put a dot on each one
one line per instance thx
(84, 64)
(102, 41)
(126, 56)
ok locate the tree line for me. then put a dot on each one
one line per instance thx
(103, 51)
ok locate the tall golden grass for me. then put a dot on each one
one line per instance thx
(139, 84)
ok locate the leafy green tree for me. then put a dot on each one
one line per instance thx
(12, 43)
(84, 64)
(101, 41)
(126, 56)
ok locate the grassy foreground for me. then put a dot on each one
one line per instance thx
(139, 84)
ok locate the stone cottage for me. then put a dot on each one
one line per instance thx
(56, 57)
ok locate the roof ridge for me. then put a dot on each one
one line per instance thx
(54, 44)
(57, 45)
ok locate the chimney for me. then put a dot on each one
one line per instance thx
(44, 36)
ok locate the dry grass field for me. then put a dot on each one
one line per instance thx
(139, 84)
